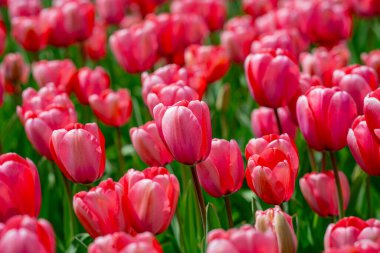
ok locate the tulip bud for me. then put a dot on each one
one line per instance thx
(96, 45)
(366, 8)
(372, 59)
(371, 111)
(185, 128)
(256, 8)
(19, 8)
(151, 197)
(111, 11)
(24, 234)
(15, 72)
(21, 187)
(79, 152)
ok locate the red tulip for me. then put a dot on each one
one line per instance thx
(222, 173)
(90, 82)
(122, 242)
(18, 8)
(358, 81)
(59, 72)
(15, 72)
(24, 234)
(185, 127)
(147, 6)
(372, 59)
(272, 77)
(272, 167)
(96, 45)
(20, 184)
(243, 240)
(150, 198)
(366, 8)
(135, 48)
(130, 20)
(325, 116)
(263, 122)
(111, 11)
(257, 8)
(79, 152)
(113, 108)
(320, 192)
(371, 112)
(3, 36)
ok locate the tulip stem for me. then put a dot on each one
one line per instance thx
(119, 150)
(278, 120)
(338, 184)
(227, 202)
(368, 192)
(201, 201)
(323, 161)
(313, 164)
(83, 53)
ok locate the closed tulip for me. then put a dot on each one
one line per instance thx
(372, 59)
(272, 77)
(113, 108)
(366, 8)
(320, 192)
(79, 152)
(96, 45)
(25, 234)
(122, 242)
(222, 173)
(111, 11)
(272, 167)
(325, 116)
(257, 8)
(185, 127)
(106, 220)
(151, 198)
(15, 72)
(21, 187)
(19, 8)
(371, 112)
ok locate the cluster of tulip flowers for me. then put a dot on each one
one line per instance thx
(179, 53)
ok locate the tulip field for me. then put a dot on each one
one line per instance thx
(192, 126)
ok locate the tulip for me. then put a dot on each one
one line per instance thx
(113, 108)
(185, 127)
(122, 242)
(151, 198)
(149, 146)
(263, 122)
(321, 194)
(130, 20)
(15, 72)
(257, 8)
(59, 72)
(106, 220)
(366, 8)
(358, 81)
(19, 8)
(372, 59)
(272, 77)
(96, 45)
(3, 36)
(325, 116)
(24, 234)
(243, 240)
(147, 6)
(222, 173)
(21, 187)
(79, 152)
(89, 82)
(111, 11)
(371, 105)
(272, 167)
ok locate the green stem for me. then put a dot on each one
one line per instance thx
(201, 201)
(313, 164)
(368, 193)
(338, 184)
(83, 53)
(227, 203)
(323, 161)
(119, 146)
(280, 130)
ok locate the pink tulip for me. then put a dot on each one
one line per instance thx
(257, 8)
(89, 82)
(21, 188)
(79, 152)
(320, 192)
(185, 127)
(366, 8)
(24, 234)
(111, 11)
(371, 111)
(96, 45)
(113, 108)
(222, 173)
(325, 116)
(3, 36)
(151, 198)
(372, 59)
(15, 72)
(130, 20)
(107, 219)
(18, 8)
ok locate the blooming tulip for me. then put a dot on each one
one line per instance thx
(113, 108)
(15, 72)
(122, 242)
(111, 11)
(18, 8)
(257, 8)
(320, 192)
(3, 36)
(185, 127)
(151, 198)
(272, 77)
(325, 116)
(272, 167)
(21, 187)
(366, 8)
(147, 6)
(79, 152)
(96, 45)
(372, 59)
(24, 234)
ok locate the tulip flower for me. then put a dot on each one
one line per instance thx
(96, 45)
(325, 116)
(147, 6)
(89, 82)
(25, 234)
(366, 8)
(59, 72)
(111, 11)
(79, 152)
(19, 8)
(149, 146)
(272, 77)
(21, 187)
(185, 127)
(151, 198)
(106, 220)
(372, 59)
(139, 38)
(321, 194)
(122, 242)
(222, 173)
(272, 167)
(113, 108)
(15, 72)
(3, 36)
(371, 104)
(257, 8)
(358, 81)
